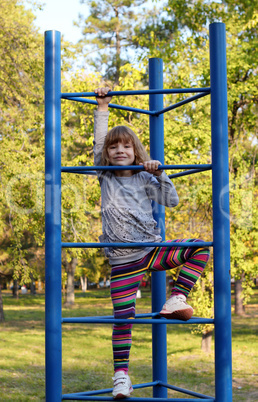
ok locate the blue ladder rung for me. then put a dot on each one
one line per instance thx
(76, 169)
(125, 245)
(138, 92)
(90, 395)
(112, 320)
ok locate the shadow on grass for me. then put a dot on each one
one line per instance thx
(87, 352)
(23, 300)
(244, 326)
(100, 378)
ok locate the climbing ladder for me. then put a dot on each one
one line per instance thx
(221, 234)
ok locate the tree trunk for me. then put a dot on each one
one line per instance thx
(1, 306)
(32, 286)
(39, 285)
(239, 307)
(70, 269)
(84, 283)
(206, 341)
(15, 289)
(118, 50)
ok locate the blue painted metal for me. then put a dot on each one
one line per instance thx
(187, 173)
(124, 245)
(146, 315)
(158, 283)
(221, 224)
(112, 105)
(150, 91)
(218, 90)
(137, 110)
(181, 103)
(187, 391)
(164, 321)
(71, 397)
(53, 215)
(77, 169)
(108, 390)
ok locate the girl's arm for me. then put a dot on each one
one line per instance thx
(100, 122)
(162, 190)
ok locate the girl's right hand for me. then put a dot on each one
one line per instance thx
(102, 99)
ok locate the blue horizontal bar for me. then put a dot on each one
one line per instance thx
(70, 397)
(136, 245)
(171, 176)
(138, 92)
(186, 391)
(145, 315)
(78, 169)
(97, 320)
(105, 391)
(111, 105)
(91, 395)
(187, 173)
(181, 103)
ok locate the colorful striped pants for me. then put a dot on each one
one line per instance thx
(126, 279)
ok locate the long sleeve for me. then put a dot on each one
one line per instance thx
(100, 132)
(163, 191)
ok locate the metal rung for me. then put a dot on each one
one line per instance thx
(137, 245)
(98, 320)
(78, 169)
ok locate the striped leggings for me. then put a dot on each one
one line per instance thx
(126, 279)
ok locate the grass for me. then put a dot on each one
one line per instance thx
(87, 354)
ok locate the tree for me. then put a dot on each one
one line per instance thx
(185, 55)
(1, 300)
(22, 143)
(21, 158)
(108, 32)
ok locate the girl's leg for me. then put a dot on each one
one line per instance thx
(193, 261)
(125, 281)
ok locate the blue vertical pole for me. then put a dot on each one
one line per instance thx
(53, 306)
(158, 283)
(221, 224)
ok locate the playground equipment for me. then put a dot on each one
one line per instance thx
(221, 234)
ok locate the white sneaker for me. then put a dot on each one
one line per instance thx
(122, 385)
(177, 308)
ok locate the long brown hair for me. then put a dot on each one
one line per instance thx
(124, 134)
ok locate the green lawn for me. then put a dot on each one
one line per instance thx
(87, 354)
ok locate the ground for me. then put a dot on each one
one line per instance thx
(22, 351)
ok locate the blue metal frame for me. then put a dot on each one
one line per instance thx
(53, 305)
(221, 228)
(221, 234)
(158, 283)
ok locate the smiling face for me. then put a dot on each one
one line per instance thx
(123, 148)
(121, 153)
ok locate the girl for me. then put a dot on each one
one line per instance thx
(127, 217)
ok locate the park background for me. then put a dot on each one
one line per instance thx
(116, 40)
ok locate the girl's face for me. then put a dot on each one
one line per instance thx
(121, 154)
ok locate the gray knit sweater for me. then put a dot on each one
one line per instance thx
(126, 203)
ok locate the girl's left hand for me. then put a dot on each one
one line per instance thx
(152, 167)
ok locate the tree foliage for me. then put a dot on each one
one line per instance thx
(22, 135)
(176, 31)
(108, 33)
(180, 37)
